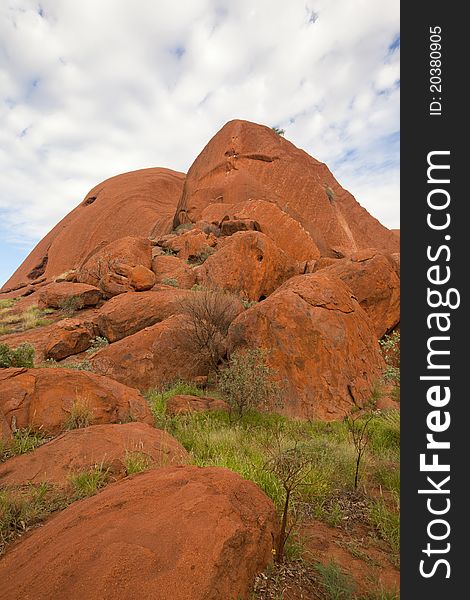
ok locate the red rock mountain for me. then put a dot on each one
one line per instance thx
(246, 161)
(140, 203)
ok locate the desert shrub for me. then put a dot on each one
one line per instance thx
(21, 356)
(279, 131)
(88, 482)
(71, 304)
(390, 348)
(248, 303)
(246, 382)
(200, 257)
(357, 427)
(209, 314)
(97, 343)
(7, 303)
(335, 583)
(170, 281)
(80, 415)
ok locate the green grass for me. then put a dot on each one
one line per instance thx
(88, 482)
(13, 322)
(80, 415)
(157, 399)
(386, 522)
(7, 303)
(136, 462)
(170, 281)
(335, 583)
(24, 440)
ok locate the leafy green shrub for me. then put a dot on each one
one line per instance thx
(246, 382)
(21, 356)
(97, 343)
(336, 584)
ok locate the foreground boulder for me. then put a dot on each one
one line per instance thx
(153, 357)
(69, 337)
(140, 203)
(184, 404)
(372, 277)
(178, 532)
(321, 345)
(69, 295)
(245, 160)
(50, 399)
(174, 270)
(129, 313)
(249, 264)
(285, 231)
(82, 449)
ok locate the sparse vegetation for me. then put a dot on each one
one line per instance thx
(70, 305)
(246, 382)
(279, 131)
(390, 348)
(97, 343)
(23, 440)
(249, 303)
(83, 365)
(330, 193)
(15, 322)
(201, 256)
(136, 461)
(170, 281)
(335, 583)
(80, 415)
(6, 303)
(21, 356)
(88, 482)
(357, 427)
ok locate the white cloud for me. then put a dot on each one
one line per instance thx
(91, 89)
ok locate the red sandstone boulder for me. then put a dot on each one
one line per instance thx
(177, 532)
(150, 358)
(169, 268)
(127, 314)
(248, 263)
(121, 266)
(46, 398)
(245, 160)
(322, 346)
(68, 337)
(56, 295)
(81, 449)
(278, 225)
(184, 404)
(188, 244)
(373, 280)
(141, 203)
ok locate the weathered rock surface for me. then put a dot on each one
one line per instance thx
(81, 449)
(45, 398)
(189, 244)
(55, 295)
(185, 403)
(245, 161)
(321, 345)
(248, 263)
(122, 266)
(374, 282)
(168, 268)
(140, 203)
(68, 337)
(129, 313)
(175, 532)
(155, 356)
(278, 225)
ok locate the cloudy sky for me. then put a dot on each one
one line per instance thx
(93, 88)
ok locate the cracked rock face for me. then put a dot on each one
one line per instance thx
(246, 161)
(322, 345)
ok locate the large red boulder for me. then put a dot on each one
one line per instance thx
(321, 345)
(249, 264)
(278, 225)
(75, 295)
(173, 269)
(46, 399)
(245, 161)
(127, 314)
(81, 449)
(155, 356)
(372, 277)
(69, 337)
(177, 532)
(140, 203)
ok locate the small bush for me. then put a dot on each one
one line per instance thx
(279, 131)
(330, 193)
(246, 382)
(136, 461)
(71, 304)
(97, 343)
(170, 281)
(336, 584)
(80, 416)
(201, 256)
(24, 440)
(88, 482)
(249, 303)
(21, 356)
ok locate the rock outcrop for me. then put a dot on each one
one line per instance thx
(50, 399)
(321, 344)
(175, 532)
(72, 295)
(184, 404)
(109, 446)
(140, 203)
